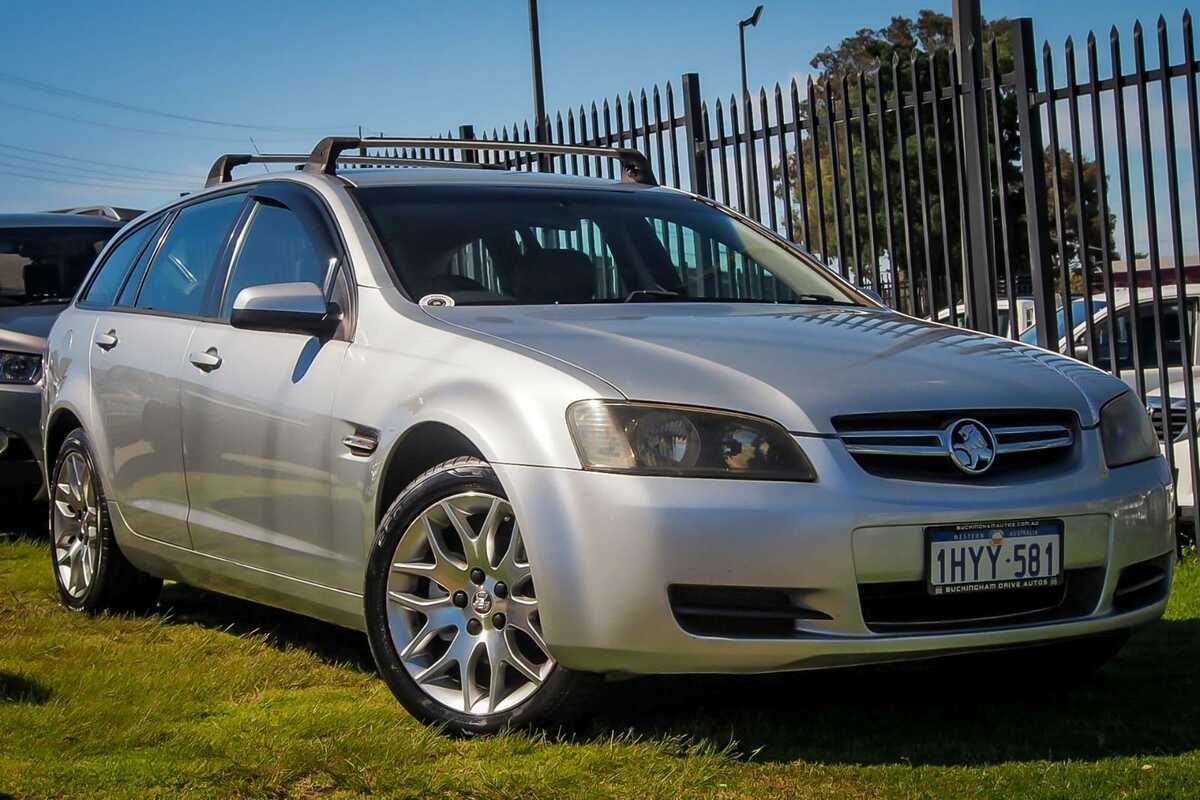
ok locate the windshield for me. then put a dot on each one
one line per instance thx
(483, 245)
(1078, 317)
(46, 265)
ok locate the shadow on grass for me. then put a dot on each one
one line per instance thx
(949, 712)
(185, 605)
(28, 520)
(21, 689)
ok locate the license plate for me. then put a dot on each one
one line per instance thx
(994, 556)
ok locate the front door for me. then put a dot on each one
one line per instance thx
(258, 440)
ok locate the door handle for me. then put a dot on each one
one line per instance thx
(106, 341)
(206, 361)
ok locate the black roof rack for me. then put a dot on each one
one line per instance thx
(222, 168)
(635, 167)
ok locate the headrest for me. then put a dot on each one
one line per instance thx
(41, 280)
(551, 275)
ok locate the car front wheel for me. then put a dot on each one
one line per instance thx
(452, 612)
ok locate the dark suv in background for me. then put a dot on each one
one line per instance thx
(43, 259)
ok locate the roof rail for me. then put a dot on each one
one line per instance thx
(222, 168)
(115, 213)
(635, 167)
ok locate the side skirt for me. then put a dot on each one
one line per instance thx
(217, 574)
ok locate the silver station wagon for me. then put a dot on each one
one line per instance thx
(529, 430)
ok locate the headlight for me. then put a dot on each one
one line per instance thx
(23, 368)
(652, 439)
(1126, 431)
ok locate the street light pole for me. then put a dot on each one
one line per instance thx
(539, 97)
(751, 160)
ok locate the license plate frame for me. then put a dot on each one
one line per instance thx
(1011, 532)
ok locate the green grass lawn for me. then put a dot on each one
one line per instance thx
(213, 697)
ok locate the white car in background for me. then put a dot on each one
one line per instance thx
(1124, 335)
(1024, 316)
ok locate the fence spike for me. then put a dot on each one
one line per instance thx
(654, 94)
(1137, 29)
(1091, 40)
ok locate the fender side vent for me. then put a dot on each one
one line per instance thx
(362, 442)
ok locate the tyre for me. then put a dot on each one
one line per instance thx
(91, 572)
(451, 610)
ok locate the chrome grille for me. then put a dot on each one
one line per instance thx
(917, 445)
(936, 443)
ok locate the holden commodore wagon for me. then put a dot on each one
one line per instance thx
(527, 430)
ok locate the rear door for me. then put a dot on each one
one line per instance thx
(257, 432)
(139, 347)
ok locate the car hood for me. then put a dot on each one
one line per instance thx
(25, 328)
(798, 365)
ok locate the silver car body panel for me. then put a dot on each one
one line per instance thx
(257, 495)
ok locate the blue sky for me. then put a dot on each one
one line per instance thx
(302, 69)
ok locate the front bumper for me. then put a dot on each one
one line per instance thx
(20, 466)
(605, 549)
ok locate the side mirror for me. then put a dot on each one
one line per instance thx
(285, 308)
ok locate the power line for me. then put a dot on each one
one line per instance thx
(61, 91)
(65, 182)
(74, 172)
(131, 129)
(97, 163)
(76, 169)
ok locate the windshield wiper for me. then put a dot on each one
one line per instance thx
(822, 299)
(650, 295)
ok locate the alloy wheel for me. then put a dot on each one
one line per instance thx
(76, 525)
(461, 606)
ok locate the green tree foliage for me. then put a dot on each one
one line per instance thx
(923, 250)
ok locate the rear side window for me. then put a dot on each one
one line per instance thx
(177, 278)
(104, 288)
(276, 248)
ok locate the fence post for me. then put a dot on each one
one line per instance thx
(1033, 169)
(979, 284)
(468, 132)
(697, 143)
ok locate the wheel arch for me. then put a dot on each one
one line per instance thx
(61, 422)
(426, 444)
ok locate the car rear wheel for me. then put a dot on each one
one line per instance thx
(91, 572)
(452, 612)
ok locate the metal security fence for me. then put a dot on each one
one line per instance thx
(1052, 196)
